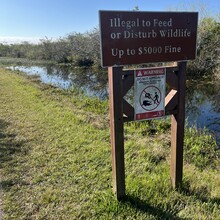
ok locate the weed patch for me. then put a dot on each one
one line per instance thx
(201, 149)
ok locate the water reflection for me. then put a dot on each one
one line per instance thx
(92, 83)
(202, 99)
(203, 105)
(48, 74)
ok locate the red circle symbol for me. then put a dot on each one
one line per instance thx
(150, 98)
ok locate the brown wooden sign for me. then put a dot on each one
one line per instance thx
(144, 37)
(120, 82)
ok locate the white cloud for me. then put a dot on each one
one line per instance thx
(17, 40)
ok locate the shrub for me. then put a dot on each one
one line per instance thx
(200, 148)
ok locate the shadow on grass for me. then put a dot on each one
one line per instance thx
(143, 206)
(202, 193)
(9, 148)
(8, 144)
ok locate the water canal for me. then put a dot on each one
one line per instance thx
(202, 97)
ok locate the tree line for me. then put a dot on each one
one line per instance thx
(83, 49)
(79, 49)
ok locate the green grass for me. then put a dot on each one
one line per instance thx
(56, 160)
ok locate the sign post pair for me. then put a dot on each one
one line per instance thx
(129, 38)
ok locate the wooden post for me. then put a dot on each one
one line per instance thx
(117, 130)
(177, 130)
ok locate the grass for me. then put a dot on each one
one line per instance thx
(56, 160)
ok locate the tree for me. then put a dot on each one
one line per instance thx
(208, 44)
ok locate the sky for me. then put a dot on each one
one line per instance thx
(32, 20)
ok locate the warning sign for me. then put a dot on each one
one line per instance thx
(150, 88)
